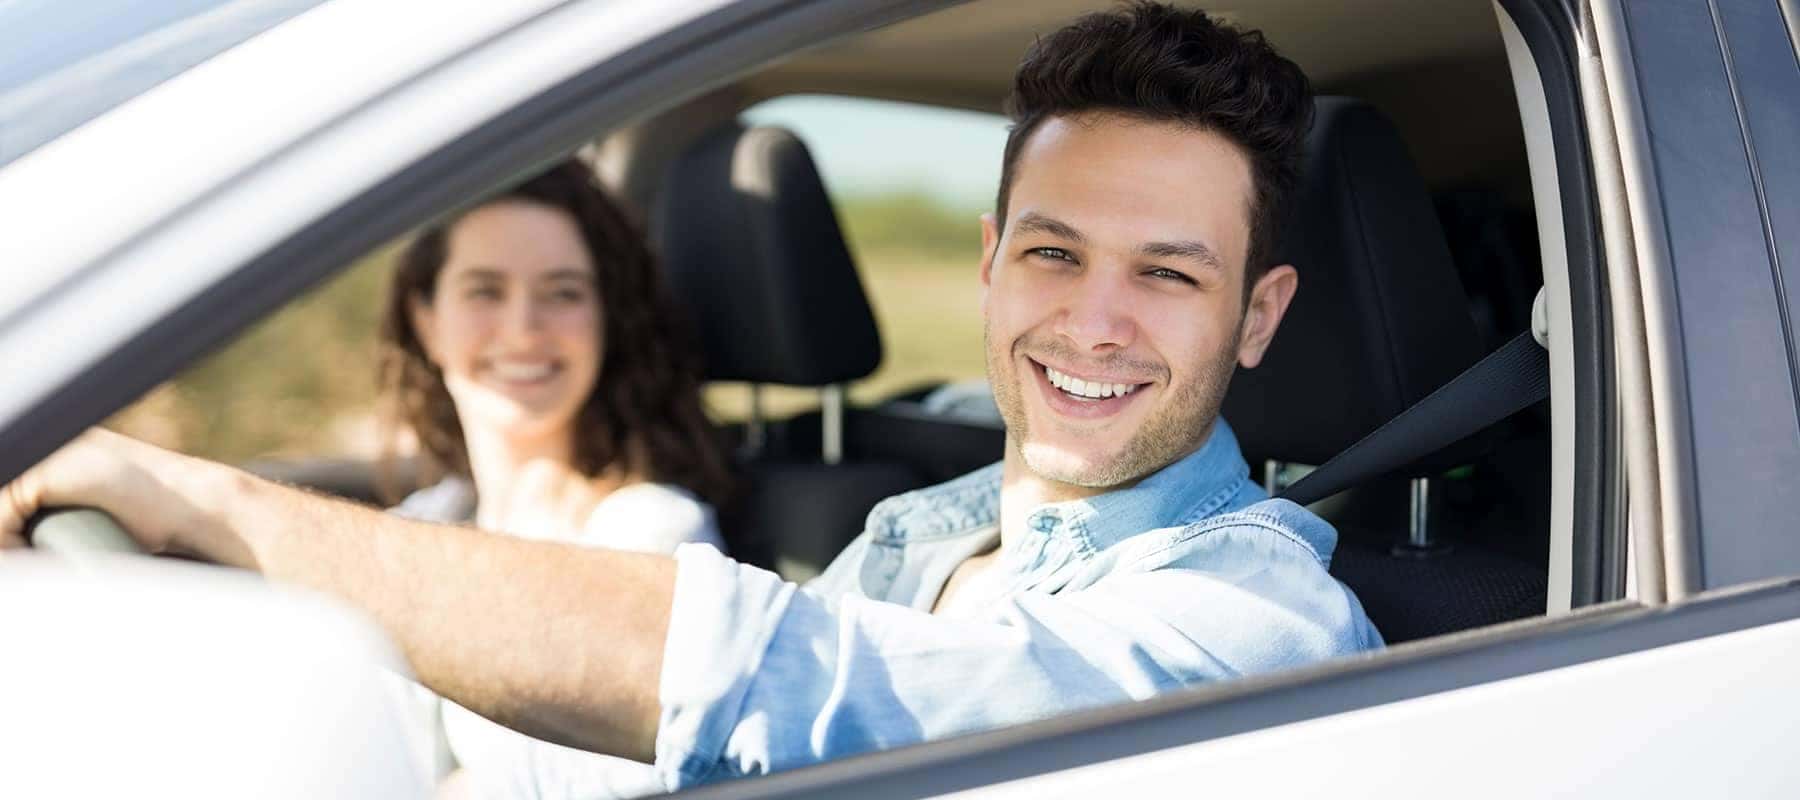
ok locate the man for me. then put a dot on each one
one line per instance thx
(1118, 550)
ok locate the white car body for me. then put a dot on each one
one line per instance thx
(132, 678)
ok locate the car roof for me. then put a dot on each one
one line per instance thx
(965, 56)
(1441, 75)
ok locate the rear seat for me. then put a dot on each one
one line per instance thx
(752, 247)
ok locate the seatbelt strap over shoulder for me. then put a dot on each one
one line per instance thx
(1505, 382)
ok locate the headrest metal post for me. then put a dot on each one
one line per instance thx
(1418, 529)
(831, 433)
(1272, 482)
(756, 433)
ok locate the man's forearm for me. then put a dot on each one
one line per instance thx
(560, 642)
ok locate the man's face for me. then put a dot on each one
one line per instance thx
(1114, 295)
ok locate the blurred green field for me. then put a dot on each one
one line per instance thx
(302, 383)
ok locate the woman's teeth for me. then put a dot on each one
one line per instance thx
(1093, 390)
(522, 372)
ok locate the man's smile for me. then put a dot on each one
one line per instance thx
(1085, 395)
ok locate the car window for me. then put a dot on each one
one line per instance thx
(909, 183)
(300, 383)
(67, 63)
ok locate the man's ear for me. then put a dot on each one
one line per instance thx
(420, 313)
(1269, 300)
(990, 238)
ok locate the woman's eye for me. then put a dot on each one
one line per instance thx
(568, 296)
(482, 293)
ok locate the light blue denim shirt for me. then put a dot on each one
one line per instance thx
(1192, 575)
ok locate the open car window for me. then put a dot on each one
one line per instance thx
(298, 385)
(907, 181)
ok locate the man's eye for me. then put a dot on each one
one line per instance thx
(1164, 273)
(1056, 253)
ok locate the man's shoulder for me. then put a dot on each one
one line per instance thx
(1269, 561)
(1261, 530)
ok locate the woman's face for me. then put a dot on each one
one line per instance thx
(515, 322)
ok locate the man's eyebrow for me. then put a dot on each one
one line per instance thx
(1034, 222)
(1190, 250)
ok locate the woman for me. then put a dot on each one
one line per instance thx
(532, 349)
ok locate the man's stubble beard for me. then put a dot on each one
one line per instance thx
(1170, 433)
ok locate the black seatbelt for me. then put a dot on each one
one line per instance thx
(1496, 387)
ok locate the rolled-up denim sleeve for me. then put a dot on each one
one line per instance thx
(761, 676)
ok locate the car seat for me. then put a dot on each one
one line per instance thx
(1380, 321)
(751, 245)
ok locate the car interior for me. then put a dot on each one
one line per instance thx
(1412, 269)
(1412, 233)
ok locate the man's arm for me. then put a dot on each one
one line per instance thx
(560, 642)
(844, 674)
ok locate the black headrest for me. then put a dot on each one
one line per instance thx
(1380, 320)
(752, 247)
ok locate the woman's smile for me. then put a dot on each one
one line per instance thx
(513, 372)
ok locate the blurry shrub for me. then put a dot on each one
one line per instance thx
(910, 223)
(301, 381)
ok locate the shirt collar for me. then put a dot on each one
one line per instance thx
(1194, 487)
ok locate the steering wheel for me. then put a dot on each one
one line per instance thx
(79, 532)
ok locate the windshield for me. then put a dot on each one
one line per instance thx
(66, 63)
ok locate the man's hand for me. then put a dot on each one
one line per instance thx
(99, 469)
(561, 642)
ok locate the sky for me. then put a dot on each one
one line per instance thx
(873, 146)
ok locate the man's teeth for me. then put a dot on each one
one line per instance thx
(1091, 389)
(521, 372)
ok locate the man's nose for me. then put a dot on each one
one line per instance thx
(1097, 314)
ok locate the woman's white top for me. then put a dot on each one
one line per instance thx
(641, 517)
(501, 762)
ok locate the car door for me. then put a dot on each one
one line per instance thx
(1679, 226)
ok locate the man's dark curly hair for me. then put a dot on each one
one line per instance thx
(1159, 63)
(644, 414)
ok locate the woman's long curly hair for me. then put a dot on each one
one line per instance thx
(644, 414)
